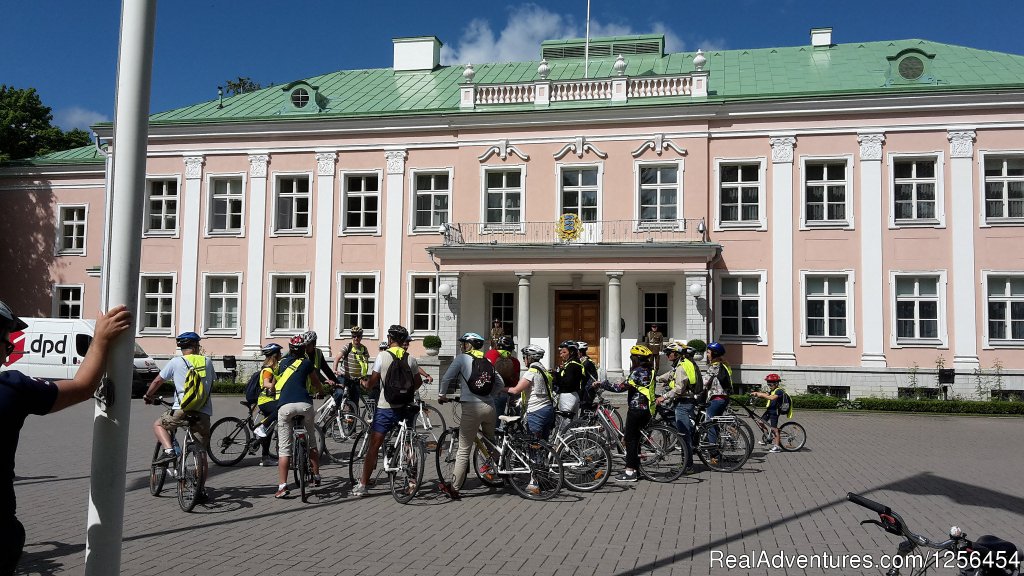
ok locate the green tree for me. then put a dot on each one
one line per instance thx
(26, 128)
(241, 86)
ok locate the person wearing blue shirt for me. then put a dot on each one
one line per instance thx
(295, 370)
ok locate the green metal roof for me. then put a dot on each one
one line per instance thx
(83, 155)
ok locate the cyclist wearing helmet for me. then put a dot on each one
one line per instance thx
(507, 365)
(21, 395)
(718, 385)
(640, 399)
(317, 356)
(477, 411)
(537, 394)
(267, 401)
(177, 369)
(294, 373)
(683, 381)
(354, 361)
(387, 415)
(570, 376)
(589, 376)
(771, 413)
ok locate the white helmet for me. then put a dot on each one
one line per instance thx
(532, 351)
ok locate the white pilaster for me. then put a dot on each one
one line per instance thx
(325, 211)
(253, 318)
(782, 279)
(613, 350)
(523, 308)
(965, 335)
(872, 276)
(394, 234)
(189, 218)
(448, 315)
(696, 308)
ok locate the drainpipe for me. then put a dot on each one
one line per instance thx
(108, 180)
(710, 291)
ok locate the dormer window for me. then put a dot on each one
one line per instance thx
(910, 66)
(300, 97)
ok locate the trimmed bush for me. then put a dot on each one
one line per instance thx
(697, 344)
(431, 341)
(942, 406)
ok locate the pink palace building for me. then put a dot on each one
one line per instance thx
(849, 215)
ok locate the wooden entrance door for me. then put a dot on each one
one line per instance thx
(578, 317)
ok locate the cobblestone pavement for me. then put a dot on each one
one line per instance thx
(935, 470)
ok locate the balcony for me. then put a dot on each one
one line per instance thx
(556, 233)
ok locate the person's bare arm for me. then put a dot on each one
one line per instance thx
(523, 384)
(83, 385)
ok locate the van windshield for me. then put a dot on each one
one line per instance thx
(139, 352)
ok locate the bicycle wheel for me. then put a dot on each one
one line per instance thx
(748, 432)
(300, 465)
(430, 424)
(360, 446)
(484, 465)
(190, 478)
(444, 455)
(663, 454)
(728, 453)
(586, 461)
(406, 481)
(340, 427)
(157, 472)
(229, 441)
(792, 436)
(534, 469)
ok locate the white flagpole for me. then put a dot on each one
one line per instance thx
(586, 46)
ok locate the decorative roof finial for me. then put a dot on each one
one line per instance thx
(543, 70)
(469, 73)
(619, 66)
(699, 61)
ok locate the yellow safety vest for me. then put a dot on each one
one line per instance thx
(264, 396)
(362, 359)
(647, 391)
(689, 369)
(548, 380)
(283, 377)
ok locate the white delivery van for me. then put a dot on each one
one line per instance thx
(53, 348)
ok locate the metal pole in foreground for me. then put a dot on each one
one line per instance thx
(110, 423)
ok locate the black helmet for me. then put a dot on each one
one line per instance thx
(507, 343)
(398, 333)
(571, 345)
(356, 331)
(187, 340)
(271, 349)
(309, 337)
(9, 321)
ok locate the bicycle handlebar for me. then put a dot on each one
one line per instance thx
(867, 503)
(893, 523)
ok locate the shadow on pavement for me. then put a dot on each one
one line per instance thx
(42, 562)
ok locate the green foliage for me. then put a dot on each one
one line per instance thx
(241, 85)
(431, 342)
(228, 386)
(697, 344)
(942, 406)
(26, 128)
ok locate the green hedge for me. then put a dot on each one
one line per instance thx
(823, 402)
(225, 386)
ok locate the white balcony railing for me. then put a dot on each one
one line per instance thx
(615, 89)
(551, 233)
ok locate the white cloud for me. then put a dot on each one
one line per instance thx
(527, 26)
(77, 117)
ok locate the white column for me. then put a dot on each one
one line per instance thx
(394, 236)
(696, 324)
(782, 251)
(613, 350)
(325, 211)
(523, 309)
(961, 213)
(448, 315)
(872, 275)
(191, 203)
(254, 280)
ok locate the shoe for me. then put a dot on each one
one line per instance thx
(268, 461)
(261, 431)
(626, 477)
(449, 491)
(411, 488)
(533, 489)
(359, 490)
(282, 492)
(317, 480)
(165, 457)
(775, 450)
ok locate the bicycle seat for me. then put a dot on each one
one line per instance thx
(247, 404)
(509, 419)
(192, 417)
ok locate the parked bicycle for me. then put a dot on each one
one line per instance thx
(402, 457)
(792, 435)
(337, 419)
(300, 464)
(722, 443)
(232, 438)
(188, 467)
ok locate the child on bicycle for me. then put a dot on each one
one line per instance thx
(640, 399)
(267, 401)
(771, 414)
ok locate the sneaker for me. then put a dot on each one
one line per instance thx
(166, 457)
(411, 487)
(316, 480)
(261, 431)
(268, 461)
(449, 491)
(359, 490)
(626, 477)
(282, 492)
(533, 489)
(775, 450)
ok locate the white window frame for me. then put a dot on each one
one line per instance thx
(983, 219)
(488, 309)
(275, 229)
(849, 222)
(141, 329)
(205, 329)
(146, 231)
(272, 330)
(762, 313)
(642, 290)
(680, 222)
(59, 249)
(486, 226)
(762, 212)
(942, 342)
(850, 340)
(413, 296)
(343, 228)
(344, 330)
(413, 173)
(940, 186)
(57, 300)
(989, 343)
(560, 168)
(210, 178)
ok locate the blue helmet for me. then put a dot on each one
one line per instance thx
(187, 339)
(716, 349)
(271, 349)
(473, 338)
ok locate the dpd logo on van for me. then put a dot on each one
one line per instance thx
(43, 346)
(18, 339)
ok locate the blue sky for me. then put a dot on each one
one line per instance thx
(67, 50)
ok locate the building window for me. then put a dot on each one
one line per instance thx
(424, 304)
(431, 194)
(741, 307)
(222, 303)
(659, 194)
(826, 196)
(917, 308)
(655, 309)
(293, 204)
(1004, 189)
(289, 300)
(579, 192)
(161, 206)
(914, 189)
(503, 308)
(71, 238)
(226, 205)
(362, 203)
(826, 308)
(157, 303)
(68, 301)
(739, 193)
(1006, 309)
(834, 391)
(503, 193)
(359, 302)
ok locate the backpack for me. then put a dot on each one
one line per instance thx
(398, 382)
(785, 402)
(196, 393)
(506, 369)
(253, 387)
(481, 377)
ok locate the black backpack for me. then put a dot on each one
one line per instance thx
(481, 377)
(252, 388)
(398, 382)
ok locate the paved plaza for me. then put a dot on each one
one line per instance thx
(934, 470)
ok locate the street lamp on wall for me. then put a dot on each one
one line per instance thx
(445, 290)
(695, 290)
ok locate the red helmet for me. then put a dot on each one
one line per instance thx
(773, 378)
